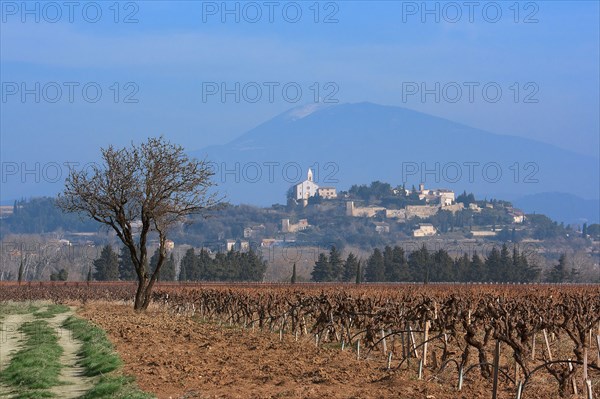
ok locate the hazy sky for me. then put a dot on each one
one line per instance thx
(172, 60)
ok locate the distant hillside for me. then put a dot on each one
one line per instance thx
(359, 143)
(567, 208)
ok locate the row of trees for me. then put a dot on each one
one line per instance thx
(333, 268)
(423, 265)
(389, 265)
(113, 266)
(230, 266)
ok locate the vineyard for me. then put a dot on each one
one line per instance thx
(516, 338)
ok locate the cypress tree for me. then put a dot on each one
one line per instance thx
(107, 265)
(442, 267)
(506, 272)
(493, 265)
(126, 268)
(477, 269)
(206, 268)
(251, 265)
(358, 278)
(336, 265)
(521, 269)
(375, 270)
(167, 272)
(217, 267)
(400, 271)
(558, 274)
(231, 266)
(293, 279)
(388, 263)
(322, 270)
(20, 275)
(463, 268)
(189, 266)
(419, 264)
(350, 267)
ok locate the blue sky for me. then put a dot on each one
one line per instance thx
(374, 52)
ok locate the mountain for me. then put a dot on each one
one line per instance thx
(347, 144)
(567, 208)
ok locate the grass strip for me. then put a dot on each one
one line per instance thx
(10, 308)
(117, 387)
(51, 311)
(98, 357)
(36, 367)
(97, 353)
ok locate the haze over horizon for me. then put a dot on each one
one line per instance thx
(395, 145)
(204, 73)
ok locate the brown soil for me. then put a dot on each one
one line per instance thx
(179, 357)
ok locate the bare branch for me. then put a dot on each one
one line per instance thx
(154, 184)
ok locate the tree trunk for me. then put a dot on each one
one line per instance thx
(148, 294)
(140, 294)
(143, 295)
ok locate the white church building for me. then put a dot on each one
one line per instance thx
(302, 191)
(306, 189)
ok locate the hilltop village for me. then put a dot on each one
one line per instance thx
(383, 207)
(313, 219)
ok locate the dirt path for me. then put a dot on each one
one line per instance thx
(10, 342)
(76, 383)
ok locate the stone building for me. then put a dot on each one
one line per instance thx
(327, 192)
(287, 227)
(424, 230)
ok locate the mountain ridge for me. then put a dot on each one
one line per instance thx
(284, 117)
(356, 143)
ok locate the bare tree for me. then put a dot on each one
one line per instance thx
(140, 190)
(22, 253)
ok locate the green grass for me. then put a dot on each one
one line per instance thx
(34, 395)
(98, 355)
(51, 311)
(99, 358)
(117, 387)
(9, 308)
(36, 367)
